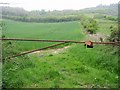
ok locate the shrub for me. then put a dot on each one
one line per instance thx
(114, 34)
(90, 25)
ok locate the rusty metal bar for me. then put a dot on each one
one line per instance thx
(69, 41)
(39, 40)
(62, 42)
(27, 52)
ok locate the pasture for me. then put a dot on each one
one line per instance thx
(75, 67)
(55, 31)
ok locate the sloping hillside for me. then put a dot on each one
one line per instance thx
(101, 9)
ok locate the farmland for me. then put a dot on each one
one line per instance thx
(74, 67)
(55, 31)
(66, 66)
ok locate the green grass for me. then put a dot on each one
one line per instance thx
(76, 67)
(104, 26)
(55, 31)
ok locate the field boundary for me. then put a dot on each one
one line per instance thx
(41, 40)
(67, 41)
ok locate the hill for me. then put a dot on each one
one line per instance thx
(19, 14)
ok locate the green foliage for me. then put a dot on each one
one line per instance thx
(78, 67)
(99, 16)
(114, 34)
(19, 14)
(10, 66)
(111, 18)
(53, 74)
(99, 59)
(51, 19)
(105, 26)
(90, 25)
(82, 69)
(10, 79)
(9, 49)
(106, 17)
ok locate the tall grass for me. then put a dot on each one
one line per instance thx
(77, 67)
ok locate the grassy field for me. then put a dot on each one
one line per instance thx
(104, 26)
(75, 67)
(55, 31)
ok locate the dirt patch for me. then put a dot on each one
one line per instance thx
(51, 51)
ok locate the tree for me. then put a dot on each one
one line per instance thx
(90, 25)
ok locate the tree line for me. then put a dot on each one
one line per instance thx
(43, 19)
(19, 14)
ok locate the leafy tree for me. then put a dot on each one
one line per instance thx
(90, 25)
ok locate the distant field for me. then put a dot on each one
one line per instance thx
(55, 31)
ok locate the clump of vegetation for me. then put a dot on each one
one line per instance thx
(11, 66)
(111, 18)
(90, 25)
(9, 48)
(114, 34)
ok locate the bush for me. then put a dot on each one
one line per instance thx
(90, 25)
(114, 37)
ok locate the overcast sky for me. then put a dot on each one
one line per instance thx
(56, 4)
